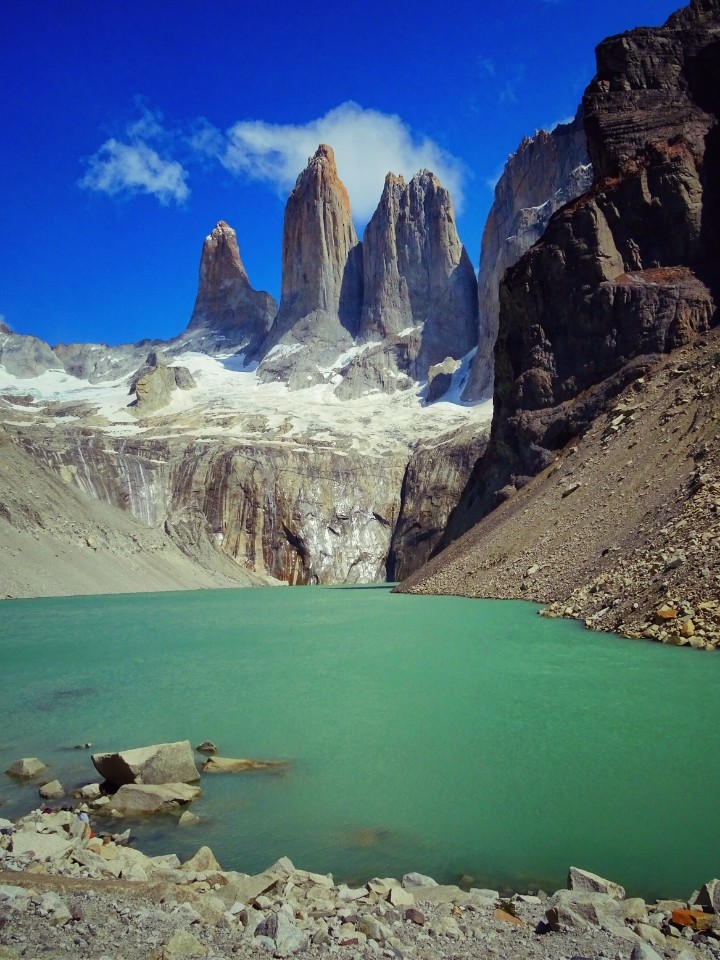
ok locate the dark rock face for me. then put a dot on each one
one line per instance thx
(629, 269)
(545, 172)
(228, 312)
(417, 275)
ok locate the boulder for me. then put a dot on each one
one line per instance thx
(202, 862)
(181, 944)
(161, 763)
(578, 909)
(26, 769)
(41, 846)
(138, 799)
(233, 765)
(279, 927)
(207, 746)
(709, 896)
(584, 880)
(641, 951)
(53, 790)
(411, 880)
(188, 819)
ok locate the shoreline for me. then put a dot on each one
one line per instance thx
(81, 895)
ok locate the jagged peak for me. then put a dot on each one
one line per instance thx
(324, 152)
(220, 260)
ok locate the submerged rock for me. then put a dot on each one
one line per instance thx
(232, 765)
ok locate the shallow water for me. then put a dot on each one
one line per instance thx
(450, 736)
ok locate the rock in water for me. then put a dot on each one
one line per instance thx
(419, 283)
(53, 790)
(233, 765)
(26, 769)
(545, 172)
(321, 292)
(228, 312)
(139, 799)
(161, 763)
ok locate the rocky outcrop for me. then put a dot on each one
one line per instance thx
(321, 291)
(627, 270)
(419, 283)
(229, 315)
(432, 484)
(154, 383)
(24, 356)
(545, 172)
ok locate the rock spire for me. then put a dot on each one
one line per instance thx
(418, 279)
(227, 309)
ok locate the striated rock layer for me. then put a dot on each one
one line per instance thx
(627, 270)
(545, 172)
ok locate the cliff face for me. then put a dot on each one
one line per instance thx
(419, 282)
(228, 313)
(545, 172)
(300, 513)
(321, 293)
(627, 270)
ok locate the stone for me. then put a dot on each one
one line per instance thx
(650, 934)
(26, 769)
(411, 880)
(709, 896)
(695, 919)
(576, 909)
(642, 951)
(288, 938)
(162, 763)
(207, 746)
(373, 928)
(91, 791)
(506, 917)
(584, 880)
(203, 861)
(665, 611)
(687, 629)
(183, 944)
(235, 765)
(139, 799)
(41, 845)
(53, 790)
(400, 897)
(414, 915)
(188, 819)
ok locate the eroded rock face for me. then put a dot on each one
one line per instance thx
(545, 172)
(627, 270)
(419, 283)
(321, 292)
(228, 312)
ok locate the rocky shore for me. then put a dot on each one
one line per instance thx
(65, 893)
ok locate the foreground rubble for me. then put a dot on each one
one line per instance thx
(64, 892)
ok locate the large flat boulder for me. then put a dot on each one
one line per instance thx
(591, 883)
(140, 799)
(157, 764)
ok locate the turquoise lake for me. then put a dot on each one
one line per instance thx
(459, 738)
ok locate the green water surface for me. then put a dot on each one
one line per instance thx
(455, 737)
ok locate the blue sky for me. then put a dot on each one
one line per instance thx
(130, 128)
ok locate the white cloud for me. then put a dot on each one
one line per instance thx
(367, 144)
(136, 167)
